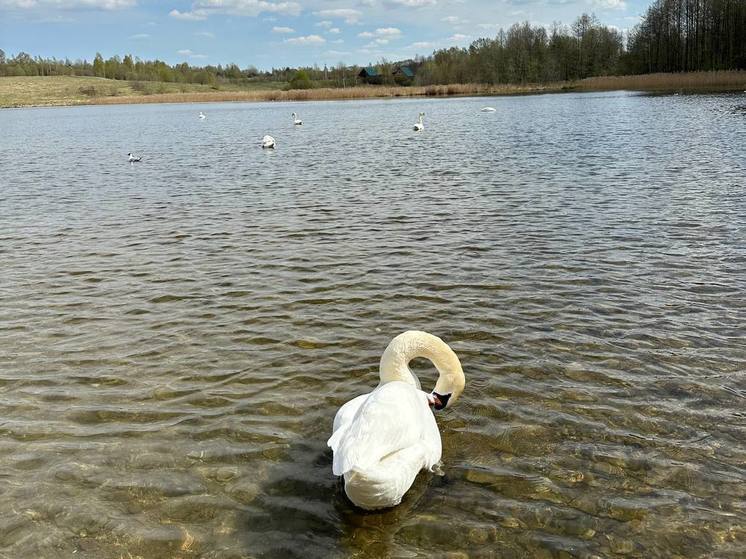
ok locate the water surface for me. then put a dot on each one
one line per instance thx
(176, 336)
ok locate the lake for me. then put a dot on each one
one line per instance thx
(177, 335)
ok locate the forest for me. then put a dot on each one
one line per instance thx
(672, 36)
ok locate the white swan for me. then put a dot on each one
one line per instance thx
(419, 125)
(268, 142)
(296, 120)
(383, 439)
(488, 109)
(202, 115)
(133, 159)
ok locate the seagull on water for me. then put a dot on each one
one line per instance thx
(202, 115)
(488, 109)
(133, 159)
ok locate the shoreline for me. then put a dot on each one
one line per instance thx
(65, 91)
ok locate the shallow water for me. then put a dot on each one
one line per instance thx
(176, 336)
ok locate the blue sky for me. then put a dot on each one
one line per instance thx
(277, 33)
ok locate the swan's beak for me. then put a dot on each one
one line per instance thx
(438, 401)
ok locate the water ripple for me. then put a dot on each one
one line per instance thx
(176, 338)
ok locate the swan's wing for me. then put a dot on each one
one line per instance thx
(347, 412)
(390, 419)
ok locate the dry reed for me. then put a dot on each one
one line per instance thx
(326, 94)
(688, 81)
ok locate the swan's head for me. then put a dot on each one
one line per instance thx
(412, 344)
(450, 385)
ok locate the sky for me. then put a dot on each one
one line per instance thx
(278, 33)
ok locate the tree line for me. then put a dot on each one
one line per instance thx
(688, 35)
(530, 54)
(134, 69)
(674, 35)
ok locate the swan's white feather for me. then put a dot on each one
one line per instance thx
(347, 412)
(394, 417)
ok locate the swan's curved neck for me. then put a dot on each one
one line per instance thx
(410, 345)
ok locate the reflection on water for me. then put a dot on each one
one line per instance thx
(177, 335)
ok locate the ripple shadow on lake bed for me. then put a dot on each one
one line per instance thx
(176, 336)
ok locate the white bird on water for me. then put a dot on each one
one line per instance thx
(419, 125)
(488, 109)
(383, 439)
(296, 120)
(202, 115)
(133, 159)
(268, 142)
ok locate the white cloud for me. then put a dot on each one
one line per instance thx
(283, 30)
(412, 3)
(324, 23)
(205, 34)
(349, 15)
(458, 37)
(307, 40)
(139, 36)
(388, 31)
(336, 53)
(197, 15)
(68, 4)
(333, 30)
(422, 45)
(610, 4)
(202, 9)
(190, 54)
(249, 7)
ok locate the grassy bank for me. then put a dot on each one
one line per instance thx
(65, 90)
(73, 90)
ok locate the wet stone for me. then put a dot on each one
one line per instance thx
(621, 546)
(243, 490)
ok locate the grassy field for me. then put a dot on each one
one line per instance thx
(65, 90)
(72, 90)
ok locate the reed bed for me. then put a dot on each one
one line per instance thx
(733, 80)
(326, 94)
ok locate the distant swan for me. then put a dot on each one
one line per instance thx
(268, 142)
(419, 124)
(383, 439)
(488, 109)
(202, 115)
(296, 120)
(133, 159)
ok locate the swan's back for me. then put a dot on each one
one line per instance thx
(381, 441)
(391, 425)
